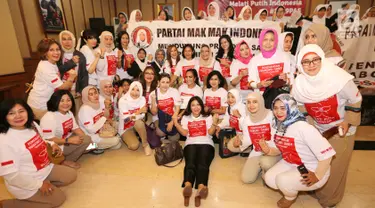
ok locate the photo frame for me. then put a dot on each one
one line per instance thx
(170, 7)
(52, 15)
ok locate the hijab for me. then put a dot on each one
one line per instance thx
(328, 82)
(160, 63)
(128, 97)
(292, 112)
(268, 54)
(217, 11)
(243, 11)
(239, 104)
(238, 56)
(73, 41)
(262, 112)
(139, 42)
(183, 13)
(102, 85)
(85, 97)
(209, 62)
(366, 13)
(282, 36)
(101, 37)
(141, 63)
(318, 20)
(257, 15)
(324, 39)
(133, 14)
(126, 16)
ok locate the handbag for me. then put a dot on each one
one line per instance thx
(278, 87)
(164, 119)
(169, 153)
(107, 131)
(225, 135)
(152, 138)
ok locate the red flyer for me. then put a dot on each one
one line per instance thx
(258, 132)
(197, 128)
(324, 112)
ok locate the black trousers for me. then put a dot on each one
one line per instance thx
(198, 158)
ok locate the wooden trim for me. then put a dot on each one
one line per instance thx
(13, 74)
(84, 14)
(25, 26)
(93, 9)
(101, 7)
(153, 10)
(64, 16)
(140, 6)
(109, 8)
(127, 8)
(74, 24)
(196, 12)
(115, 5)
(179, 10)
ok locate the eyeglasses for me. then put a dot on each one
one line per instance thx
(307, 62)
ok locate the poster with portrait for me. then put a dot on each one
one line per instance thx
(52, 15)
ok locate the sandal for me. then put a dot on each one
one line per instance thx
(187, 192)
(201, 194)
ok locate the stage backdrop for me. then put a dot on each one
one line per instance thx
(256, 5)
(160, 34)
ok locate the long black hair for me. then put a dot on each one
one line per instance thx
(199, 100)
(234, 12)
(88, 34)
(222, 81)
(195, 74)
(6, 106)
(54, 102)
(220, 52)
(154, 83)
(166, 14)
(119, 36)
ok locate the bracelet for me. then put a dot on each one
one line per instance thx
(66, 141)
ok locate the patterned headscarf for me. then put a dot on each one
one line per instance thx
(293, 113)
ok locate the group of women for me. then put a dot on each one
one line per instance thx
(89, 98)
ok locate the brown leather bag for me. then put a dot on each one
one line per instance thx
(169, 153)
(330, 132)
(52, 157)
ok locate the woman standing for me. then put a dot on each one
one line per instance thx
(246, 14)
(125, 56)
(171, 63)
(257, 131)
(261, 15)
(47, 77)
(188, 62)
(158, 64)
(162, 16)
(306, 154)
(133, 108)
(206, 64)
(139, 65)
(107, 64)
(60, 126)
(187, 14)
(333, 100)
(230, 14)
(225, 55)
(135, 16)
(213, 11)
(239, 70)
(215, 96)
(279, 15)
(28, 173)
(88, 42)
(199, 151)
(123, 25)
(285, 45)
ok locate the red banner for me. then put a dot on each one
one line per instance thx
(256, 5)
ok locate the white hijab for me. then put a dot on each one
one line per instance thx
(280, 44)
(73, 40)
(366, 13)
(133, 14)
(257, 15)
(217, 11)
(139, 42)
(318, 20)
(128, 98)
(183, 14)
(102, 45)
(329, 81)
(243, 11)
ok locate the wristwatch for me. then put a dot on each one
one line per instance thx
(66, 141)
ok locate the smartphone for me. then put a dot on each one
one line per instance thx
(92, 146)
(302, 170)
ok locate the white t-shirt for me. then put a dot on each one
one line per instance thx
(329, 112)
(90, 58)
(225, 71)
(168, 100)
(169, 69)
(215, 99)
(266, 68)
(56, 124)
(126, 110)
(47, 80)
(121, 71)
(91, 121)
(235, 69)
(183, 65)
(66, 58)
(106, 68)
(303, 144)
(197, 130)
(254, 132)
(204, 71)
(186, 93)
(25, 152)
(232, 121)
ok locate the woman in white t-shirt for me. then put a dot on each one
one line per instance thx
(239, 69)
(199, 150)
(285, 45)
(213, 11)
(333, 100)
(215, 96)
(187, 14)
(125, 55)
(47, 77)
(28, 173)
(269, 63)
(107, 64)
(133, 108)
(87, 43)
(206, 64)
(256, 129)
(60, 126)
(170, 64)
(189, 89)
(225, 55)
(188, 62)
(149, 80)
(165, 103)
(235, 113)
(92, 121)
(245, 14)
(140, 63)
(106, 99)
(306, 153)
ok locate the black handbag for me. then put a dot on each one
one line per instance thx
(169, 153)
(278, 87)
(225, 135)
(164, 119)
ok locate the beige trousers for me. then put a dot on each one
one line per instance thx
(110, 143)
(59, 176)
(73, 152)
(38, 113)
(130, 135)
